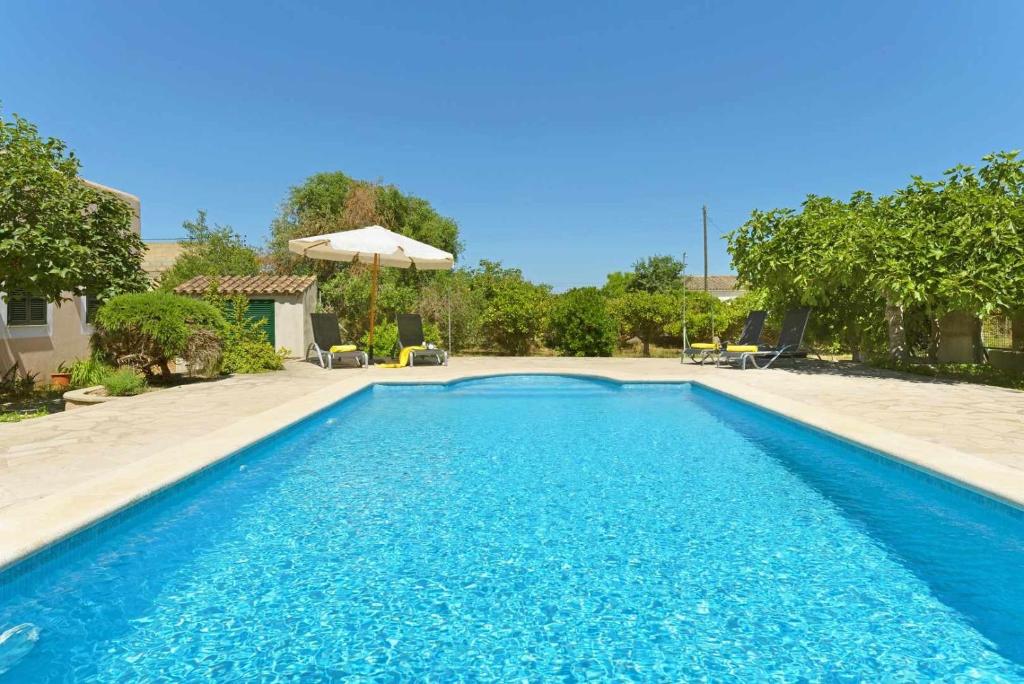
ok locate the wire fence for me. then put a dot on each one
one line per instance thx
(996, 332)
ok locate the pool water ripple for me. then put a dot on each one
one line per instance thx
(539, 528)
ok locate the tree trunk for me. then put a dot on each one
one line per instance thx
(1017, 330)
(935, 335)
(897, 332)
(960, 338)
(980, 353)
(647, 347)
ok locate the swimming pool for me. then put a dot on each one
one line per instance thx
(533, 527)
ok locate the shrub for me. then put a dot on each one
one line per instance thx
(17, 384)
(514, 315)
(246, 348)
(150, 329)
(385, 337)
(124, 382)
(204, 353)
(89, 372)
(119, 382)
(453, 292)
(252, 357)
(580, 324)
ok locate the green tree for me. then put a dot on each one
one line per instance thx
(706, 317)
(646, 314)
(617, 283)
(816, 257)
(211, 251)
(580, 323)
(514, 311)
(660, 273)
(347, 293)
(931, 251)
(453, 291)
(58, 234)
(954, 245)
(331, 202)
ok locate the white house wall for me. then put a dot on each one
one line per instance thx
(292, 327)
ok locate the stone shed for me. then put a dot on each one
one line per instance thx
(284, 301)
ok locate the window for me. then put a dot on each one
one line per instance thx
(25, 309)
(91, 304)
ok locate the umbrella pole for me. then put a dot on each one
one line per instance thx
(373, 300)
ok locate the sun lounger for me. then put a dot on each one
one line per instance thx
(750, 336)
(791, 338)
(412, 342)
(328, 346)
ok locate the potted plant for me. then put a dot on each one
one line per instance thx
(61, 378)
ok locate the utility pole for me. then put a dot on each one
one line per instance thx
(686, 339)
(704, 212)
(704, 215)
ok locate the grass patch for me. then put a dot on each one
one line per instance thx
(18, 416)
(976, 373)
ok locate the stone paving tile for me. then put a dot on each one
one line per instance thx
(44, 456)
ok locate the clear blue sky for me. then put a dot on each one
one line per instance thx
(598, 129)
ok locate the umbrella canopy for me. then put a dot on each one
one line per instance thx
(373, 245)
(364, 244)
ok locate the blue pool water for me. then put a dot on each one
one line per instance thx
(534, 528)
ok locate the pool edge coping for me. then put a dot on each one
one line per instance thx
(57, 517)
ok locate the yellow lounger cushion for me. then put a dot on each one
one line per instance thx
(703, 345)
(342, 348)
(741, 348)
(403, 358)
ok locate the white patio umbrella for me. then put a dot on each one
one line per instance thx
(373, 245)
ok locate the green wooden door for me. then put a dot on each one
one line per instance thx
(260, 309)
(263, 308)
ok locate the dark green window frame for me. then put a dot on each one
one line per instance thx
(24, 308)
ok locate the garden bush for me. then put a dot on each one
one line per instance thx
(16, 383)
(119, 382)
(89, 372)
(246, 347)
(580, 324)
(150, 329)
(514, 316)
(124, 382)
(385, 337)
(249, 356)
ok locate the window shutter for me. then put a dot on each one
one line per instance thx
(257, 309)
(17, 308)
(263, 309)
(24, 309)
(36, 311)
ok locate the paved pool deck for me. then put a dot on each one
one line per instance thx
(62, 472)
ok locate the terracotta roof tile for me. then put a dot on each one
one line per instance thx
(257, 284)
(715, 282)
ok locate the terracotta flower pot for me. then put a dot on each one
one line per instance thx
(60, 379)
